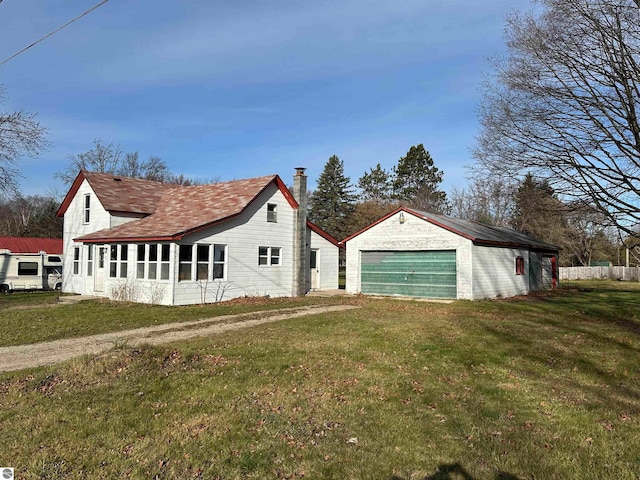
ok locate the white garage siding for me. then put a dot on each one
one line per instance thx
(494, 272)
(414, 234)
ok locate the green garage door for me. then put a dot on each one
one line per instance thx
(430, 274)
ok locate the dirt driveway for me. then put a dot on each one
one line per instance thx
(49, 353)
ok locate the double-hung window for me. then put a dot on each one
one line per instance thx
(76, 260)
(86, 214)
(142, 249)
(272, 212)
(89, 260)
(269, 255)
(202, 258)
(185, 258)
(219, 261)
(118, 261)
(164, 262)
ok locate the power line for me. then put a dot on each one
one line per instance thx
(54, 32)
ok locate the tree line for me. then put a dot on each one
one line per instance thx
(529, 205)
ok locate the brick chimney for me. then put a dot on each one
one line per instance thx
(300, 234)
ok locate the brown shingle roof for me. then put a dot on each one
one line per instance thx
(124, 194)
(182, 210)
(117, 193)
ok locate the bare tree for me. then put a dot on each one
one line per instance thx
(109, 158)
(563, 105)
(485, 200)
(20, 134)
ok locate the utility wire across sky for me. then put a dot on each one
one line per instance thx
(54, 32)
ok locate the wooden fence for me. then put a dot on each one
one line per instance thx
(591, 273)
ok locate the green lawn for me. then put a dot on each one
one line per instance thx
(530, 388)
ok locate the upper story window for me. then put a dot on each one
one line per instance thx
(519, 265)
(272, 212)
(86, 216)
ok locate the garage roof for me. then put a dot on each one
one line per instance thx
(476, 232)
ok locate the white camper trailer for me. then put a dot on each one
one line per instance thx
(29, 271)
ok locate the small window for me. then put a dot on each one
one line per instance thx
(219, 261)
(54, 260)
(185, 256)
(519, 265)
(89, 260)
(202, 255)
(272, 212)
(76, 260)
(28, 268)
(87, 208)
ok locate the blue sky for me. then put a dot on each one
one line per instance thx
(236, 89)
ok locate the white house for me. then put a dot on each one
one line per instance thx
(418, 254)
(144, 241)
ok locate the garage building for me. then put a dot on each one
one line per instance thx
(418, 254)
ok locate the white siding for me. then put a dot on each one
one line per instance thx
(328, 258)
(494, 272)
(74, 227)
(413, 235)
(243, 235)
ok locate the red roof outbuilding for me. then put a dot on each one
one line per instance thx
(31, 245)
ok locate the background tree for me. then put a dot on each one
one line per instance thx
(485, 200)
(564, 104)
(540, 214)
(111, 159)
(416, 181)
(20, 134)
(332, 202)
(375, 186)
(30, 216)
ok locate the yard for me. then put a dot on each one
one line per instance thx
(540, 387)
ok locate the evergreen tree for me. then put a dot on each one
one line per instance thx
(375, 186)
(416, 181)
(332, 202)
